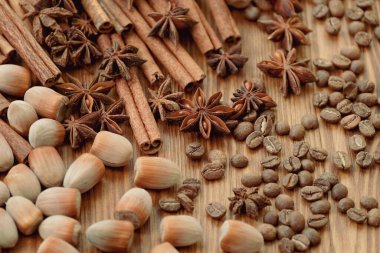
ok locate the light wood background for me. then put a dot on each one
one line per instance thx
(340, 235)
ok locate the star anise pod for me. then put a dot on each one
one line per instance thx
(227, 63)
(111, 118)
(294, 73)
(292, 32)
(44, 18)
(202, 115)
(83, 49)
(251, 97)
(88, 96)
(287, 8)
(82, 129)
(117, 62)
(248, 202)
(83, 23)
(167, 23)
(163, 100)
(60, 48)
(67, 4)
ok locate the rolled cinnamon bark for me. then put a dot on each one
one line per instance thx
(6, 50)
(150, 68)
(117, 26)
(15, 5)
(159, 5)
(101, 21)
(118, 14)
(4, 104)
(20, 147)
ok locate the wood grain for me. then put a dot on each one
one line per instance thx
(341, 235)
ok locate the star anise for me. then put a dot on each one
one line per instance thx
(292, 32)
(60, 48)
(117, 62)
(82, 129)
(83, 49)
(251, 97)
(44, 18)
(88, 96)
(294, 73)
(84, 24)
(287, 8)
(163, 100)
(167, 23)
(67, 4)
(111, 118)
(202, 115)
(227, 63)
(248, 202)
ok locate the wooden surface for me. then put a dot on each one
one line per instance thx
(341, 235)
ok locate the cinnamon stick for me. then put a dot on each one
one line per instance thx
(118, 14)
(27, 47)
(19, 145)
(150, 68)
(117, 26)
(4, 104)
(101, 21)
(6, 50)
(15, 5)
(224, 21)
(161, 6)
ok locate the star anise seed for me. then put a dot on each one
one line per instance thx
(67, 4)
(84, 24)
(83, 49)
(60, 48)
(82, 129)
(111, 118)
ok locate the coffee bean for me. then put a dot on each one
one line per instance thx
(193, 182)
(252, 13)
(264, 124)
(254, 140)
(185, 202)
(269, 113)
(354, 13)
(364, 3)
(357, 66)
(296, 221)
(336, 83)
(366, 128)
(363, 39)
(350, 89)
(357, 143)
(342, 160)
(330, 115)
(271, 190)
(284, 201)
(297, 132)
(189, 190)
(336, 8)
(309, 121)
(300, 149)
(270, 162)
(339, 191)
(284, 231)
(320, 99)
(374, 217)
(350, 78)
(341, 62)
(370, 17)
(282, 128)
(308, 165)
(313, 235)
(322, 77)
(290, 181)
(242, 130)
(320, 11)
(345, 204)
(333, 25)
(305, 178)
(272, 144)
(216, 210)
(320, 207)
(169, 204)
(369, 99)
(376, 154)
(355, 27)
(318, 154)
(217, 155)
(344, 106)
(350, 122)
(322, 183)
(301, 242)
(335, 98)
(331, 177)
(195, 150)
(269, 176)
(231, 124)
(292, 164)
(364, 159)
(271, 217)
(366, 86)
(375, 119)
(284, 216)
(376, 32)
(322, 63)
(268, 232)
(357, 215)
(251, 180)
(317, 221)
(286, 245)
(311, 193)
(213, 171)
(239, 161)
(250, 117)
(369, 202)
(352, 52)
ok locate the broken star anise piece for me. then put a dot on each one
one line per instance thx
(163, 100)
(294, 73)
(88, 96)
(251, 97)
(287, 8)
(111, 118)
(67, 4)
(117, 62)
(227, 63)
(248, 202)
(84, 24)
(59, 48)
(83, 49)
(82, 129)
(292, 32)
(167, 23)
(202, 115)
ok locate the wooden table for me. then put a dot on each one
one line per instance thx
(340, 235)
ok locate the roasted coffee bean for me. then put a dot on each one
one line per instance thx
(193, 182)
(169, 204)
(357, 215)
(363, 39)
(282, 128)
(292, 164)
(333, 25)
(322, 183)
(290, 181)
(284, 231)
(251, 180)
(272, 190)
(189, 190)
(216, 210)
(366, 86)
(195, 150)
(341, 62)
(252, 13)
(297, 132)
(329, 176)
(264, 124)
(239, 161)
(296, 221)
(284, 217)
(335, 98)
(345, 204)
(268, 231)
(269, 113)
(322, 77)
(284, 201)
(374, 217)
(254, 140)
(366, 128)
(308, 165)
(322, 63)
(320, 99)
(269, 176)
(311, 193)
(301, 242)
(305, 178)
(286, 245)
(350, 122)
(218, 156)
(242, 130)
(320, 207)
(376, 154)
(318, 154)
(336, 8)
(300, 149)
(369, 99)
(355, 27)
(272, 145)
(364, 159)
(309, 121)
(350, 89)
(317, 221)
(369, 202)
(354, 13)
(250, 117)
(213, 171)
(364, 4)
(344, 106)
(330, 115)
(186, 202)
(271, 217)
(357, 143)
(313, 235)
(370, 17)
(342, 160)
(232, 124)
(320, 11)
(375, 119)
(270, 162)
(339, 191)
(357, 66)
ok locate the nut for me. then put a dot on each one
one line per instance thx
(62, 227)
(8, 231)
(21, 116)
(46, 132)
(15, 80)
(56, 245)
(164, 247)
(6, 157)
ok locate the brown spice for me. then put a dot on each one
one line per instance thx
(101, 21)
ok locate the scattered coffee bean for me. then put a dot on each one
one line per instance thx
(282, 128)
(271, 190)
(344, 106)
(264, 124)
(169, 204)
(270, 162)
(354, 13)
(269, 113)
(366, 86)
(350, 122)
(320, 207)
(369, 202)
(320, 99)
(195, 150)
(250, 117)
(336, 8)
(330, 115)
(271, 217)
(341, 62)
(268, 232)
(284, 231)
(364, 4)
(186, 202)
(322, 77)
(254, 140)
(363, 39)
(196, 183)
(374, 217)
(336, 83)
(286, 245)
(284, 216)
(333, 25)
(216, 210)
(313, 235)
(355, 27)
(232, 124)
(269, 176)
(284, 201)
(339, 191)
(252, 13)
(375, 119)
(370, 17)
(376, 154)
(189, 190)
(320, 11)
(292, 164)
(357, 215)
(311, 193)
(369, 99)
(217, 155)
(357, 143)
(309, 121)
(301, 242)
(296, 221)
(251, 180)
(345, 204)
(335, 98)
(351, 52)
(239, 161)
(350, 89)
(213, 171)
(297, 132)
(300, 149)
(322, 63)
(272, 144)
(242, 130)
(317, 221)
(366, 128)
(305, 178)
(331, 177)
(364, 159)
(308, 165)
(290, 181)
(342, 160)
(357, 66)
(318, 154)
(322, 183)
